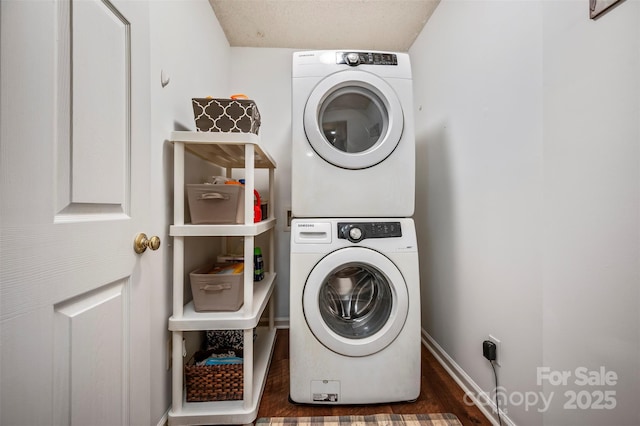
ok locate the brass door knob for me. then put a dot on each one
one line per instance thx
(141, 243)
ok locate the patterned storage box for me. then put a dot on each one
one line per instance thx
(226, 115)
(226, 340)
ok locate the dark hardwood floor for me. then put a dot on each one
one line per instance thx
(439, 393)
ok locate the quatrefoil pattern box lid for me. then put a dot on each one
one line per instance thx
(226, 115)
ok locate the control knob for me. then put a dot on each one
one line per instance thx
(352, 59)
(355, 234)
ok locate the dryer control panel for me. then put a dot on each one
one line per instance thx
(366, 58)
(358, 231)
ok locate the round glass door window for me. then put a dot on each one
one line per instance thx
(353, 119)
(355, 301)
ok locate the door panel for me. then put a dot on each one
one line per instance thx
(100, 48)
(85, 361)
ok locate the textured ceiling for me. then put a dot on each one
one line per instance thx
(391, 25)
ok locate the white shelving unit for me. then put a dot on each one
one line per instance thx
(228, 150)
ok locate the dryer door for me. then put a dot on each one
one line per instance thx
(353, 119)
(355, 301)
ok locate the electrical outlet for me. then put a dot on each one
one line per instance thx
(498, 344)
(287, 227)
(489, 350)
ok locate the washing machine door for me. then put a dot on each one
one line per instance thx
(353, 119)
(355, 301)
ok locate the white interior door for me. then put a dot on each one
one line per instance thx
(74, 316)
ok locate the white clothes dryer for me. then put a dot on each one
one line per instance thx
(354, 335)
(353, 143)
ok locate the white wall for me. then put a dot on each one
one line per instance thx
(189, 45)
(265, 76)
(591, 255)
(528, 196)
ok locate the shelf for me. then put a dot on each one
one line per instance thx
(224, 149)
(231, 412)
(228, 150)
(236, 320)
(233, 230)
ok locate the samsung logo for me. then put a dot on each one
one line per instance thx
(306, 225)
(302, 55)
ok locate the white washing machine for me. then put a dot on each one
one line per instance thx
(354, 311)
(353, 142)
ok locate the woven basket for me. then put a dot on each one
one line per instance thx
(214, 382)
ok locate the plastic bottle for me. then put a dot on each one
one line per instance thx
(257, 207)
(258, 265)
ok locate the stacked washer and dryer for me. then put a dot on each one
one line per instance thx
(355, 290)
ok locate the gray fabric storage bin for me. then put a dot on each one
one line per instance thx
(210, 203)
(216, 292)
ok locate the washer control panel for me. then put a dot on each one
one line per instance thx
(358, 231)
(366, 58)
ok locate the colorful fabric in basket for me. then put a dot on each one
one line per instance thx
(222, 360)
(211, 357)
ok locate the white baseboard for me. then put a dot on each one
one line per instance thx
(282, 322)
(480, 398)
(164, 420)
